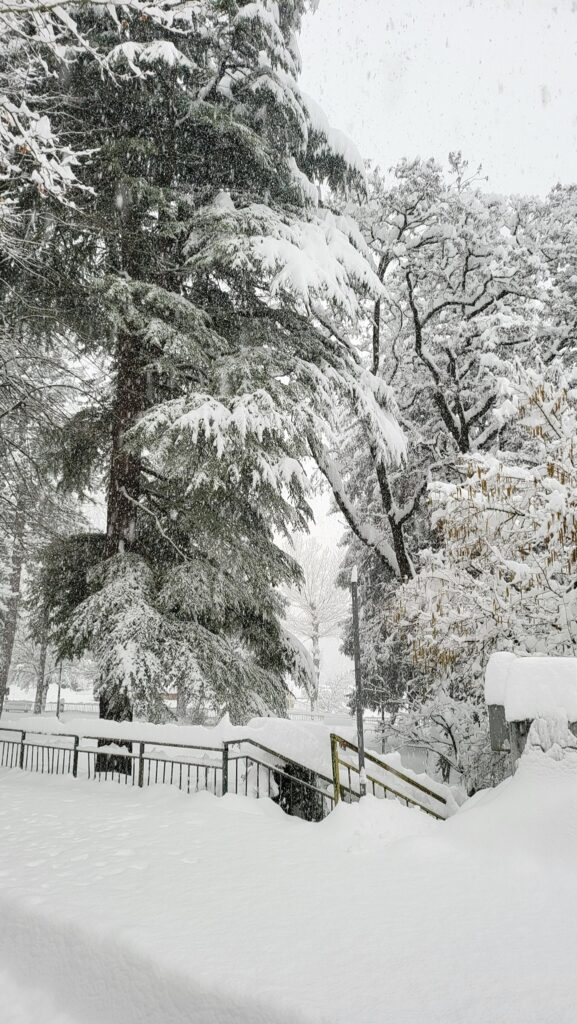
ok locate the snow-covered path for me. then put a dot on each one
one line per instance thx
(151, 907)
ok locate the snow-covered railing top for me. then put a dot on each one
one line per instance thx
(432, 798)
(303, 743)
(532, 687)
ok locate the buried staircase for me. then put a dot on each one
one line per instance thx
(242, 766)
(404, 788)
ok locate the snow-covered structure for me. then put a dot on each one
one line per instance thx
(519, 690)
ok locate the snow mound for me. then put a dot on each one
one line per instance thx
(532, 687)
(131, 906)
(496, 676)
(552, 736)
(374, 822)
(533, 815)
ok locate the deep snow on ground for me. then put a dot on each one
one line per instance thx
(121, 906)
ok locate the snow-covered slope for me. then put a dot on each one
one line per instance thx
(148, 907)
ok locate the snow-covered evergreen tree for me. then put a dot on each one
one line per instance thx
(32, 510)
(199, 262)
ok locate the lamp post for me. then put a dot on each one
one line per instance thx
(358, 681)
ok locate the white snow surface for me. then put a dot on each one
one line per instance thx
(496, 676)
(532, 687)
(152, 907)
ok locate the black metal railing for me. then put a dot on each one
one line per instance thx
(298, 790)
(10, 752)
(23, 707)
(47, 759)
(244, 767)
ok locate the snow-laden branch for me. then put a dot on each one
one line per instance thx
(372, 538)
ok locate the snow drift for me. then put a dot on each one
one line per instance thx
(141, 906)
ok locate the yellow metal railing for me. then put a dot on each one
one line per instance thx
(342, 791)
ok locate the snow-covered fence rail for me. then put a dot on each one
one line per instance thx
(27, 707)
(305, 716)
(244, 766)
(297, 789)
(40, 754)
(80, 709)
(413, 793)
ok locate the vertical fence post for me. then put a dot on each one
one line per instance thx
(141, 765)
(75, 758)
(335, 764)
(224, 769)
(21, 758)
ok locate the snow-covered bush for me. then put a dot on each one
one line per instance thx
(505, 574)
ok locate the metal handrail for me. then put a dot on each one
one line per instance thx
(39, 732)
(26, 706)
(277, 770)
(389, 789)
(339, 741)
(283, 757)
(137, 757)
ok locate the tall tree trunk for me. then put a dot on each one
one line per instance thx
(115, 707)
(124, 480)
(41, 688)
(123, 495)
(181, 698)
(15, 582)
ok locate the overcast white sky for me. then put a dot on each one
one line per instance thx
(496, 79)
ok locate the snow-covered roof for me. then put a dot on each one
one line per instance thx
(532, 687)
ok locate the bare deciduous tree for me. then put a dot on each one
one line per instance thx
(318, 607)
